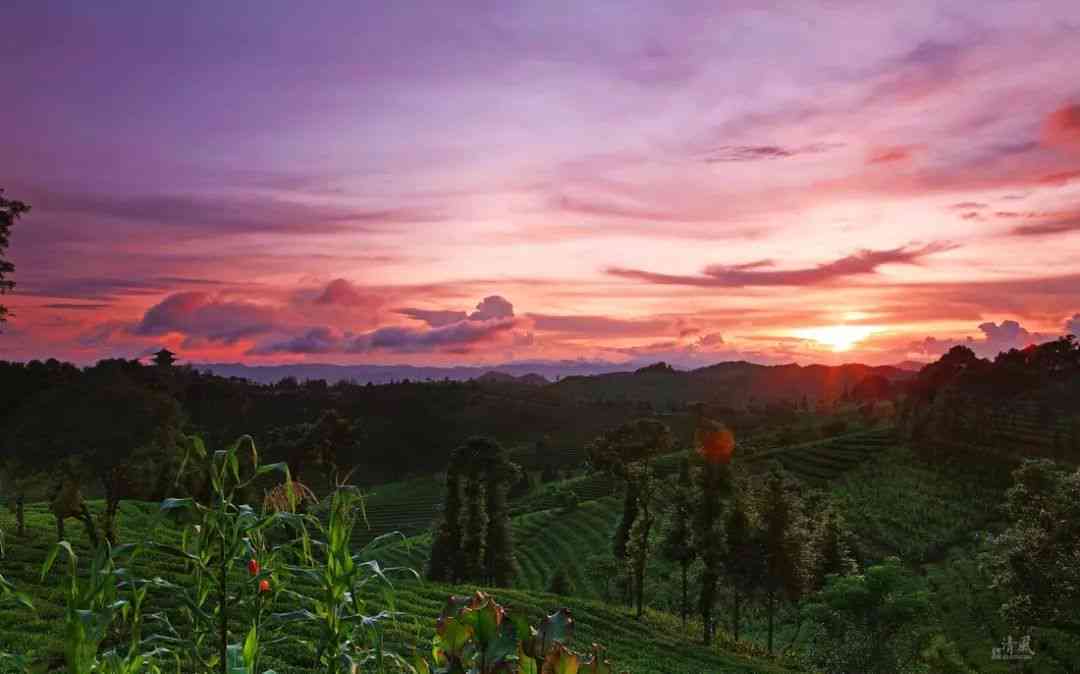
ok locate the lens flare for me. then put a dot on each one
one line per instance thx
(717, 446)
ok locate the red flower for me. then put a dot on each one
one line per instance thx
(264, 585)
(253, 567)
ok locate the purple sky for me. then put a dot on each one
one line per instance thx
(347, 182)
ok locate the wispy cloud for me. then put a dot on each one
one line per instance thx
(859, 263)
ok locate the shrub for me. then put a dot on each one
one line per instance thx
(561, 583)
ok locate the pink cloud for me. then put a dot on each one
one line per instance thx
(202, 315)
(886, 155)
(1062, 127)
(859, 263)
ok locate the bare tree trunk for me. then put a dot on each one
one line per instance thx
(20, 516)
(735, 615)
(772, 614)
(684, 571)
(798, 628)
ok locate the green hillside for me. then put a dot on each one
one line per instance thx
(654, 645)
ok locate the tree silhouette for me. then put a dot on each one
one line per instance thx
(618, 451)
(445, 563)
(779, 508)
(742, 559)
(678, 544)
(500, 564)
(10, 211)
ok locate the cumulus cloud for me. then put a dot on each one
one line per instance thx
(1072, 326)
(492, 308)
(205, 316)
(997, 337)
(434, 318)
(859, 263)
(315, 340)
(711, 340)
(450, 331)
(456, 338)
(342, 292)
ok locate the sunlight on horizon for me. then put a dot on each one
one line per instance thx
(838, 337)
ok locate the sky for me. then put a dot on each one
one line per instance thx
(484, 182)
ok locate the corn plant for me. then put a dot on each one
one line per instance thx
(95, 604)
(232, 566)
(8, 594)
(475, 635)
(349, 638)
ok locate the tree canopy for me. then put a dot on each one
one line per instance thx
(10, 211)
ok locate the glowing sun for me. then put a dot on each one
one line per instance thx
(838, 337)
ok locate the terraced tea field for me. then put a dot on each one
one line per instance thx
(543, 542)
(821, 461)
(900, 506)
(655, 644)
(409, 507)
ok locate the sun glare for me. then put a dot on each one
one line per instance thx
(838, 337)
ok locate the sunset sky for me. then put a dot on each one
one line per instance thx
(475, 182)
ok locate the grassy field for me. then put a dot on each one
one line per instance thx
(655, 645)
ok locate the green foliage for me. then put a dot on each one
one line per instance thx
(225, 538)
(94, 604)
(677, 544)
(873, 622)
(446, 561)
(561, 582)
(348, 636)
(478, 546)
(742, 558)
(783, 542)
(636, 441)
(1035, 559)
(640, 539)
(901, 506)
(714, 483)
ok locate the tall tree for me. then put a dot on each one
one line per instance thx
(678, 543)
(616, 452)
(715, 445)
(639, 544)
(474, 538)
(742, 558)
(446, 563)
(779, 508)
(833, 554)
(10, 211)
(500, 563)
(1035, 559)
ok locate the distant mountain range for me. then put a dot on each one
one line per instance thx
(734, 380)
(385, 374)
